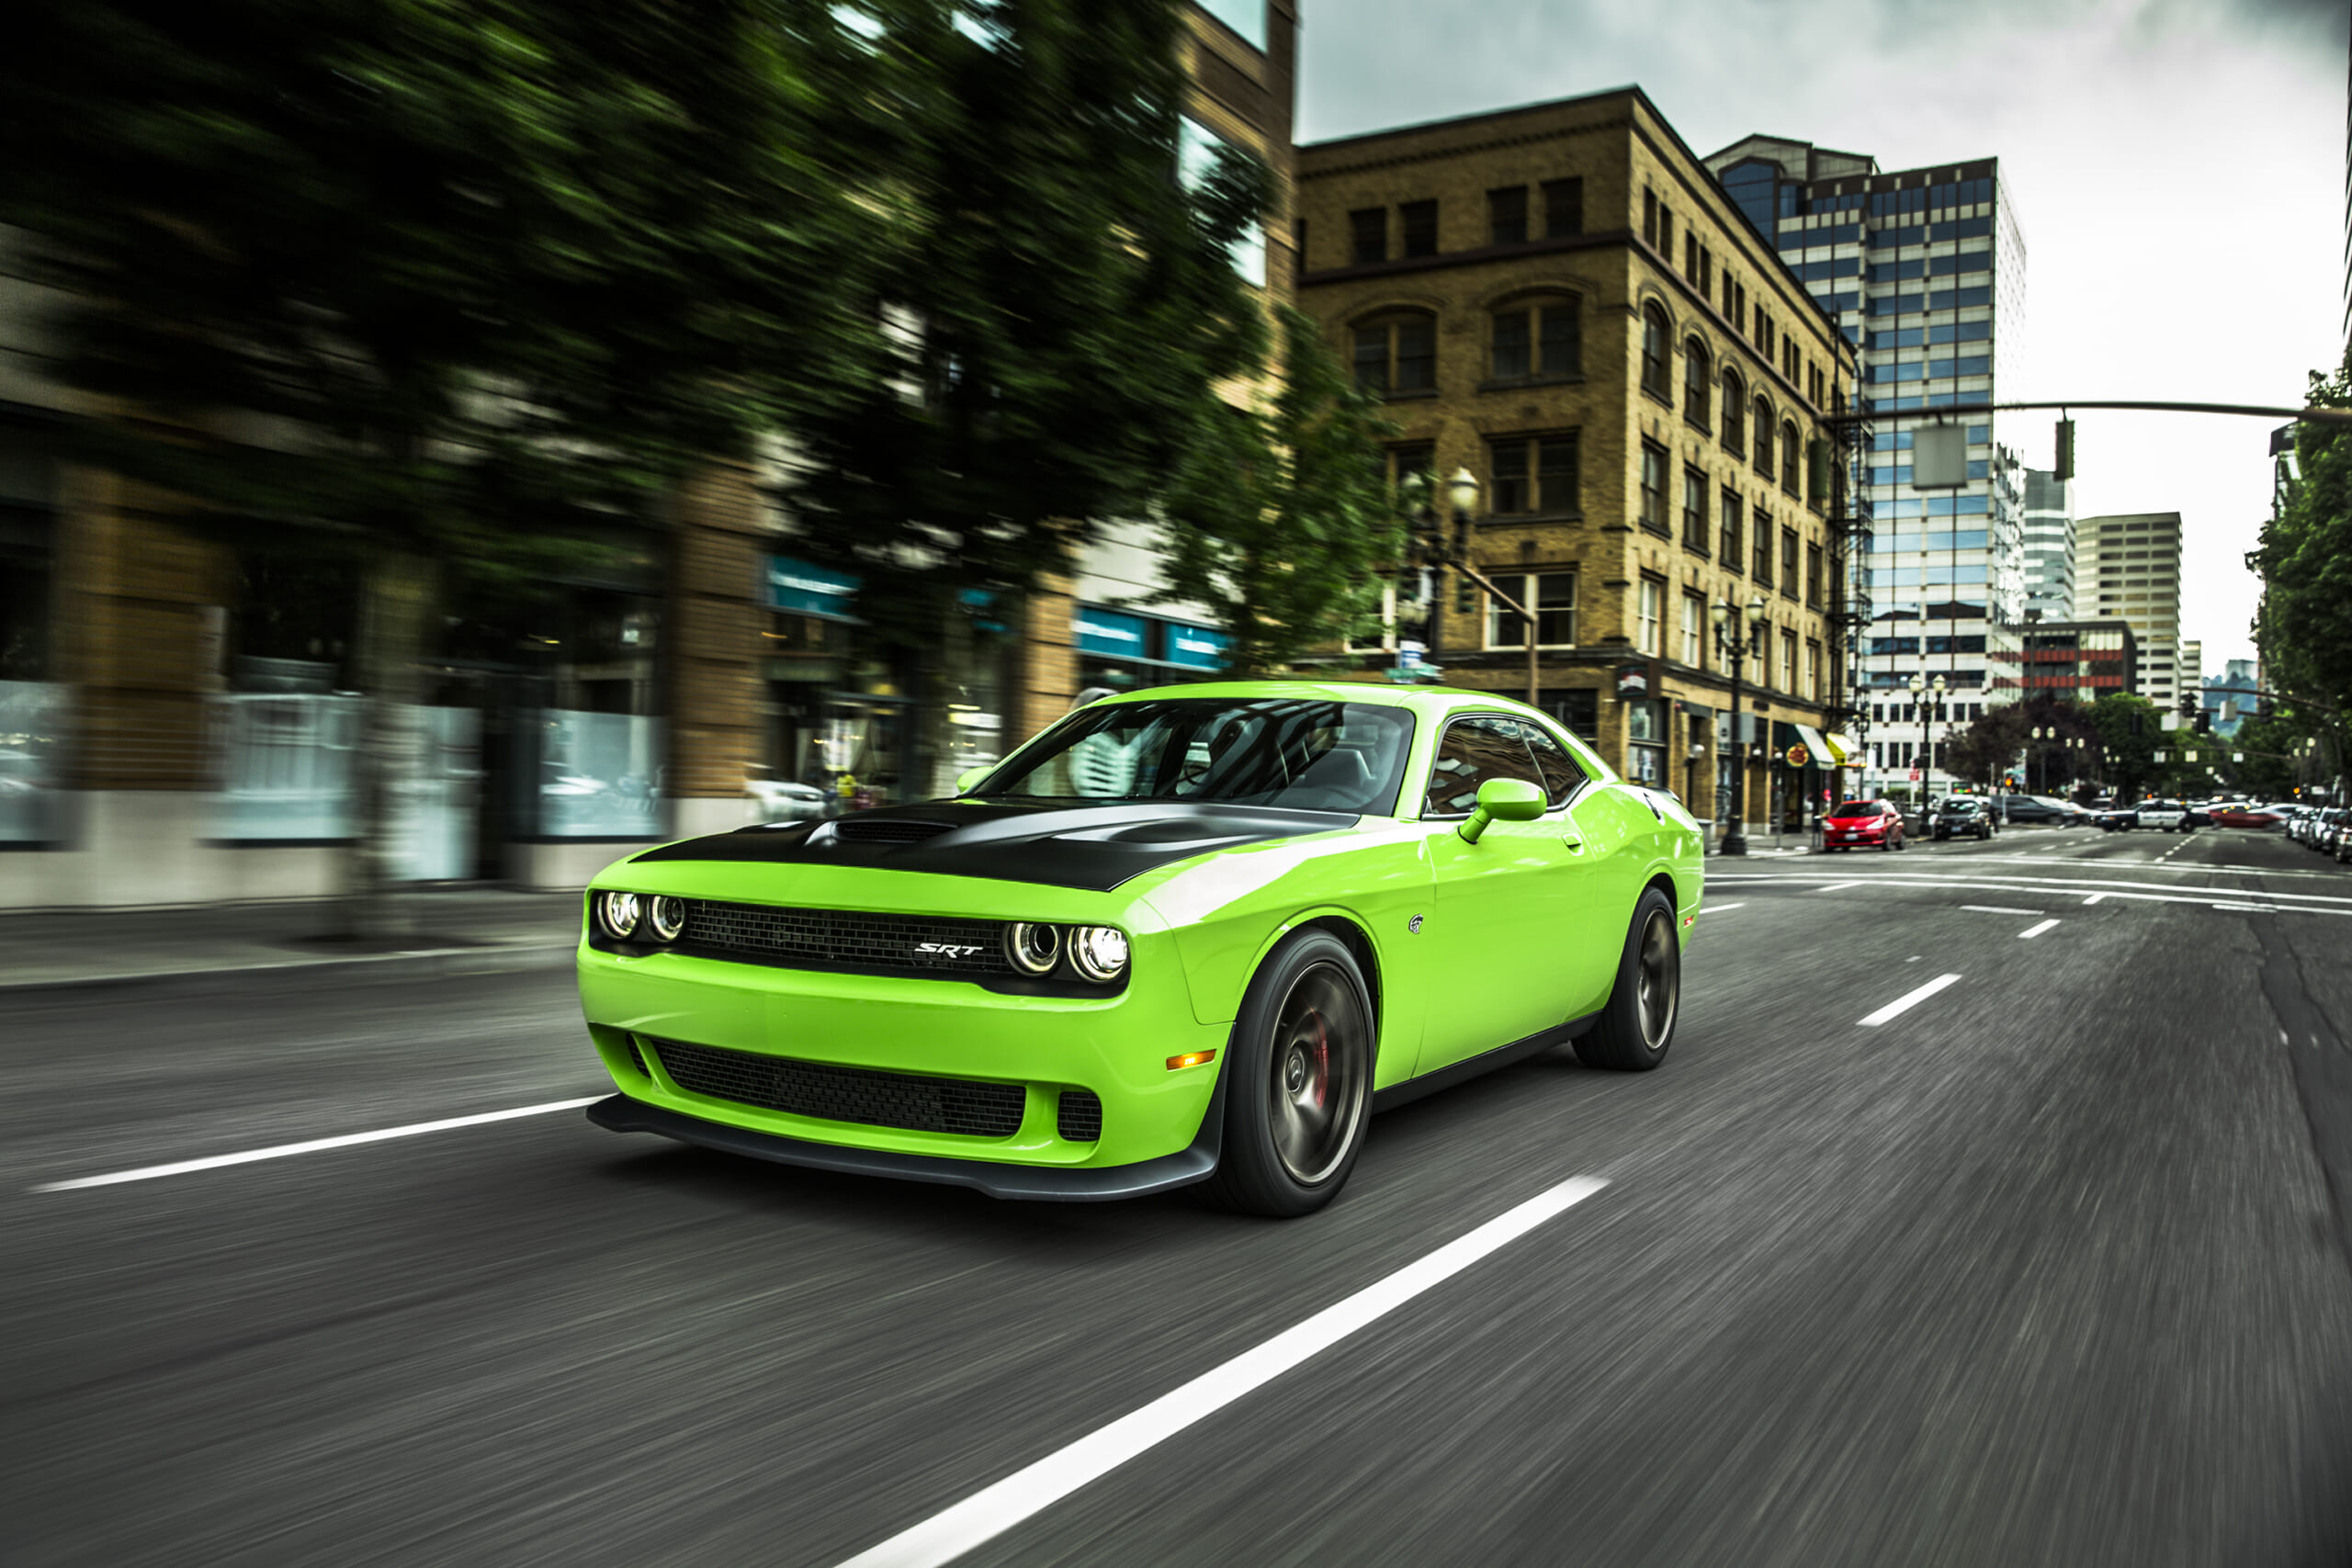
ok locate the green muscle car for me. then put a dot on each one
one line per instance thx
(1198, 933)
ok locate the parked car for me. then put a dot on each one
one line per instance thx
(2169, 814)
(1863, 825)
(1181, 936)
(2328, 828)
(1962, 814)
(785, 800)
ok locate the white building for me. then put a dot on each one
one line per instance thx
(1924, 270)
(2049, 546)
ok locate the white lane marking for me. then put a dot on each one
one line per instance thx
(2037, 931)
(1908, 1000)
(2250, 908)
(2302, 903)
(280, 1151)
(2093, 899)
(1719, 908)
(1997, 909)
(992, 1510)
(1836, 886)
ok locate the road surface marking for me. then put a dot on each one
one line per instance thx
(1910, 999)
(1997, 909)
(992, 1510)
(2037, 931)
(280, 1151)
(1719, 908)
(1836, 886)
(2250, 908)
(2093, 899)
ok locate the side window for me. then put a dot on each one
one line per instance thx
(1562, 777)
(1474, 751)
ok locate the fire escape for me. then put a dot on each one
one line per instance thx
(1849, 605)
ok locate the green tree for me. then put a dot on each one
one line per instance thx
(2305, 563)
(1281, 520)
(1061, 307)
(436, 287)
(2132, 730)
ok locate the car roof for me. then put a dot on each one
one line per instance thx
(1423, 699)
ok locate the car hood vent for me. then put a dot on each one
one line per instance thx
(887, 829)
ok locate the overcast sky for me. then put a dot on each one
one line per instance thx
(2177, 170)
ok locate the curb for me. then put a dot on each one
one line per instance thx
(423, 962)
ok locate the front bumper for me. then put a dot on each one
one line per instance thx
(1067, 1184)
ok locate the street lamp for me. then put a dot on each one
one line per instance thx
(1920, 687)
(1734, 649)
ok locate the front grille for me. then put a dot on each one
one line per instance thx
(961, 1106)
(886, 829)
(1080, 1119)
(846, 939)
(637, 1059)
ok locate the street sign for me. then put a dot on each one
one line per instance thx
(1914, 775)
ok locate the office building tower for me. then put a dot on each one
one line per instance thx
(2129, 566)
(1924, 272)
(2049, 535)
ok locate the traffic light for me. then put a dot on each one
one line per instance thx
(2063, 469)
(1465, 595)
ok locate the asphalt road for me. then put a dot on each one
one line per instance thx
(2045, 1268)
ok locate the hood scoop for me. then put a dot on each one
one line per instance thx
(887, 829)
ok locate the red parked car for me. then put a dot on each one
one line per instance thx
(1863, 825)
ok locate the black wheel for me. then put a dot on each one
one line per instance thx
(1637, 1024)
(1298, 1083)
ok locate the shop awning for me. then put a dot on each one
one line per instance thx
(1845, 748)
(1817, 748)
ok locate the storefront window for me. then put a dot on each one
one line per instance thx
(1121, 651)
(1645, 748)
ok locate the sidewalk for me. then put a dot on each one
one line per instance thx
(460, 931)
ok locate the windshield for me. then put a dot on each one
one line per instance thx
(1308, 755)
(1959, 808)
(1857, 808)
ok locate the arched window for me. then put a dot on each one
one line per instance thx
(1397, 352)
(1762, 437)
(1655, 353)
(1792, 461)
(1542, 335)
(1698, 384)
(1735, 399)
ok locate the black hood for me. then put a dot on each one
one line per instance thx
(1093, 847)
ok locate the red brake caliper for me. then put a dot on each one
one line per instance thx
(1322, 1063)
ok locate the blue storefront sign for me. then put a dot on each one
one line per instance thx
(1196, 647)
(1111, 634)
(803, 589)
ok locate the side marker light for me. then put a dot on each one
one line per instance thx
(1191, 1059)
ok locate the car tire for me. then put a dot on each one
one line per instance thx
(1636, 1026)
(1298, 1081)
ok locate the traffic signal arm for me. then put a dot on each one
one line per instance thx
(1505, 599)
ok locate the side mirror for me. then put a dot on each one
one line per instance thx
(1502, 800)
(970, 776)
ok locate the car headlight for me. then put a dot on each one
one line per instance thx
(1099, 952)
(667, 916)
(618, 913)
(1032, 948)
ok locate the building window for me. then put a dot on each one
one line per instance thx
(1533, 474)
(1655, 353)
(1396, 353)
(1789, 661)
(1653, 610)
(1540, 337)
(1551, 595)
(1694, 639)
(1654, 489)
(1789, 562)
(1792, 465)
(1812, 671)
(1690, 255)
(1698, 384)
(1760, 561)
(1694, 510)
(1666, 234)
(1812, 576)
(1563, 207)
(1735, 399)
(1727, 549)
(1507, 215)
(1419, 221)
(1763, 438)
(1368, 226)
(1649, 218)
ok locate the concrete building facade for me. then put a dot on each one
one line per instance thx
(2049, 535)
(1924, 272)
(2127, 567)
(1559, 300)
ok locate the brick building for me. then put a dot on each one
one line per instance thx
(1562, 300)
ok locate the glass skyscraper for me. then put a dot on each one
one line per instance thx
(1924, 271)
(2049, 546)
